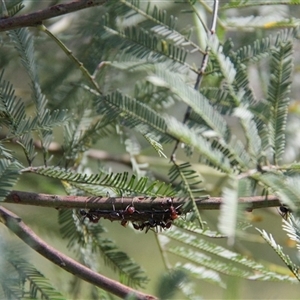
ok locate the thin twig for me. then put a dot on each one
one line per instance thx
(194, 8)
(16, 225)
(207, 7)
(120, 203)
(201, 70)
(36, 18)
(69, 53)
(163, 253)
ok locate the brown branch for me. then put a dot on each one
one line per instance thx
(36, 18)
(201, 70)
(16, 225)
(120, 203)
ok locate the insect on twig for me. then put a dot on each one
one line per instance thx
(284, 211)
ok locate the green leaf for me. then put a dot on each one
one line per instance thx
(12, 111)
(292, 226)
(193, 228)
(194, 99)
(278, 97)
(263, 47)
(121, 182)
(156, 146)
(251, 132)
(45, 119)
(141, 43)
(235, 151)
(202, 273)
(9, 175)
(23, 41)
(229, 210)
(5, 153)
(187, 186)
(130, 273)
(132, 113)
(14, 6)
(226, 67)
(19, 279)
(154, 14)
(82, 132)
(235, 263)
(87, 236)
(278, 249)
(169, 283)
(287, 190)
(188, 136)
(40, 286)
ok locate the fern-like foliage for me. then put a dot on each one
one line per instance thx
(192, 227)
(13, 7)
(190, 137)
(15, 119)
(130, 273)
(157, 146)
(81, 133)
(87, 241)
(196, 101)
(253, 144)
(169, 282)
(188, 185)
(236, 265)
(278, 97)
(278, 249)
(229, 211)
(121, 183)
(292, 227)
(133, 114)
(21, 279)
(286, 189)
(46, 120)
(146, 63)
(146, 43)
(157, 39)
(263, 47)
(39, 285)
(226, 67)
(9, 175)
(152, 13)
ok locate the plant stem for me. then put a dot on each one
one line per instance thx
(69, 53)
(16, 225)
(36, 18)
(201, 71)
(140, 203)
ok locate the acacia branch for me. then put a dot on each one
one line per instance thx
(36, 18)
(202, 68)
(16, 225)
(120, 203)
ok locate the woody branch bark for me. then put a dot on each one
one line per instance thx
(16, 225)
(202, 68)
(120, 203)
(36, 18)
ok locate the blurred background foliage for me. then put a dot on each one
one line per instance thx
(120, 150)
